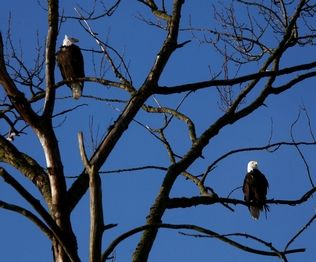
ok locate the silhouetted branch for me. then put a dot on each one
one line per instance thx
(109, 226)
(42, 212)
(271, 147)
(90, 15)
(104, 48)
(185, 202)
(133, 169)
(310, 221)
(166, 90)
(225, 237)
(68, 110)
(300, 151)
(16, 97)
(251, 36)
(29, 215)
(206, 232)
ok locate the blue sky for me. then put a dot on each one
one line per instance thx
(128, 196)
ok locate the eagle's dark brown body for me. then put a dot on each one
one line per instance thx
(70, 62)
(255, 189)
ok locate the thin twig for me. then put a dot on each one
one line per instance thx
(310, 221)
(271, 147)
(300, 151)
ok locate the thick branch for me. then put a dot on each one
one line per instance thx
(50, 57)
(27, 166)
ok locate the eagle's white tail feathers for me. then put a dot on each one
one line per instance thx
(255, 212)
(76, 90)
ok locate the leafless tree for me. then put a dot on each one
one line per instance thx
(253, 39)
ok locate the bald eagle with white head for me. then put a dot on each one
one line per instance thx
(255, 189)
(70, 61)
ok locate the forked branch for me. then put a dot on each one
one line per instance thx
(96, 207)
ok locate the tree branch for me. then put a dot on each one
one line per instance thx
(50, 57)
(27, 166)
(16, 97)
(167, 90)
(205, 231)
(310, 221)
(96, 207)
(273, 147)
(80, 186)
(63, 241)
(144, 246)
(29, 215)
(185, 202)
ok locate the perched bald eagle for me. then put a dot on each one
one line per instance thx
(70, 62)
(255, 189)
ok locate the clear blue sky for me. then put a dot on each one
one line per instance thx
(128, 196)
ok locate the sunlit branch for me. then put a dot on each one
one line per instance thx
(155, 10)
(50, 58)
(96, 207)
(167, 146)
(27, 166)
(178, 115)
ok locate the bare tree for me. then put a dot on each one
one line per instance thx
(255, 42)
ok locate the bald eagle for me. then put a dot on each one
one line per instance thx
(255, 189)
(70, 62)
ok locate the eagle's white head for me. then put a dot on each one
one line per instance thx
(68, 41)
(252, 165)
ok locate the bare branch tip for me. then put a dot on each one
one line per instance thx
(83, 152)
